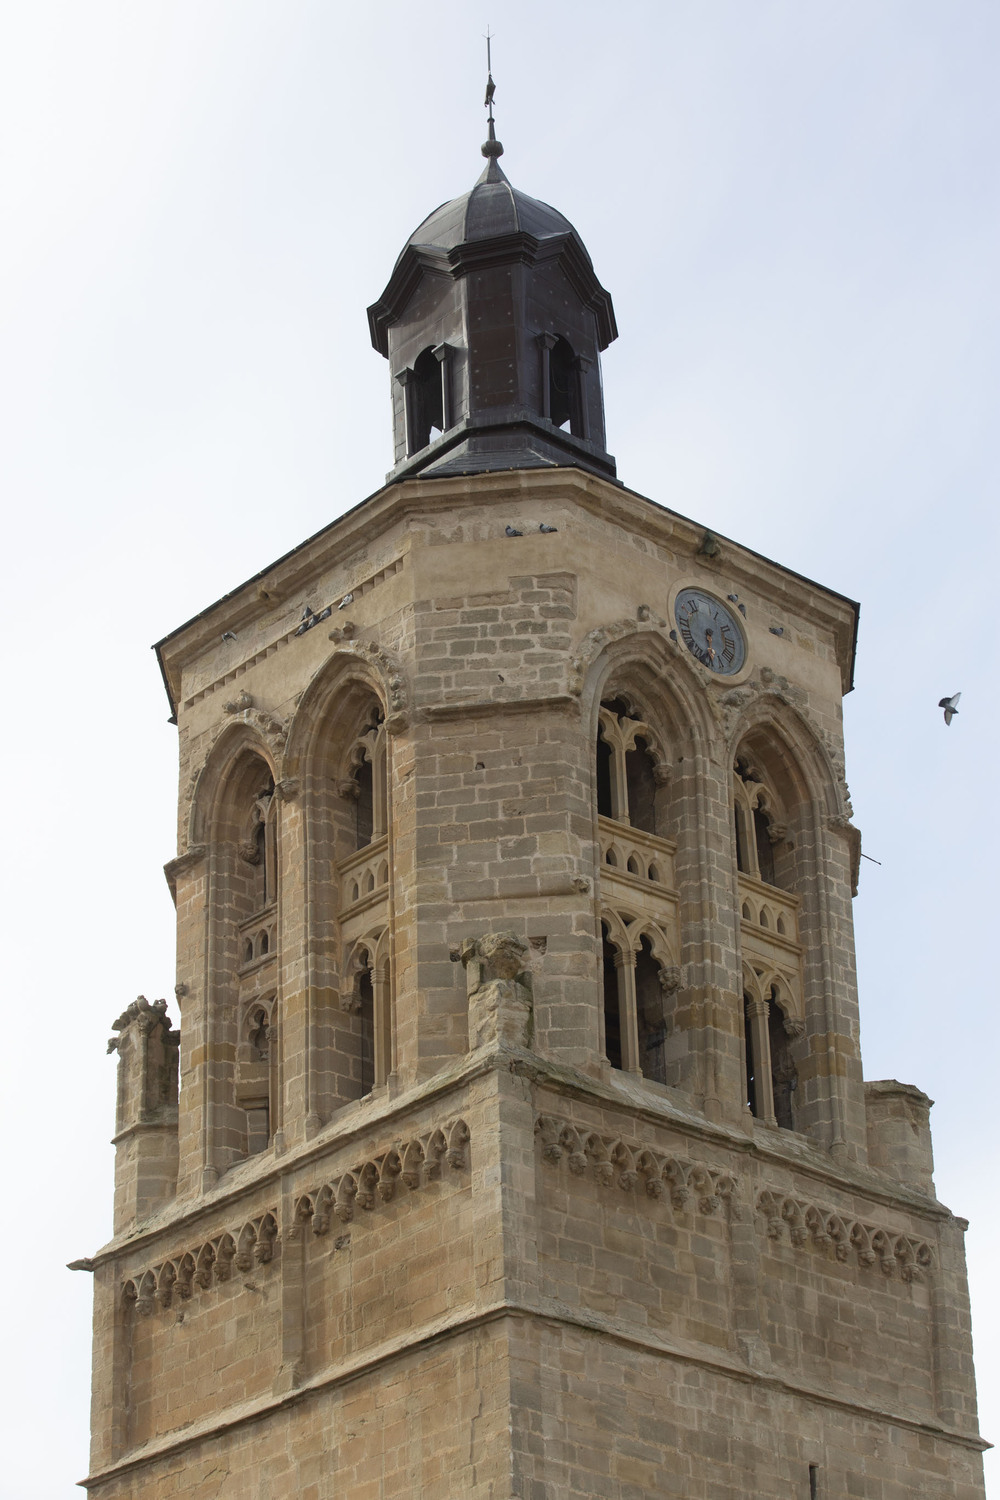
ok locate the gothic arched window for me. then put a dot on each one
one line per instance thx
(758, 827)
(366, 785)
(637, 986)
(368, 1002)
(770, 1072)
(257, 1072)
(629, 775)
(243, 933)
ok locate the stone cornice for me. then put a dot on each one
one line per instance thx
(358, 1123)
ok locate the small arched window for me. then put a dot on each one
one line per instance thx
(771, 1075)
(784, 1074)
(749, 1057)
(765, 847)
(650, 1014)
(427, 399)
(257, 1075)
(627, 785)
(564, 387)
(757, 833)
(366, 1016)
(259, 845)
(368, 782)
(641, 786)
(612, 1001)
(369, 1004)
(364, 804)
(604, 770)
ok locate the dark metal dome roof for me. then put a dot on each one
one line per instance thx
(493, 207)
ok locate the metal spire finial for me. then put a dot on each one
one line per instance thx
(491, 147)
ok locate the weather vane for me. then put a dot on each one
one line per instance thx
(491, 146)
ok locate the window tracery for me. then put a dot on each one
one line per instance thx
(639, 902)
(640, 980)
(769, 1032)
(368, 998)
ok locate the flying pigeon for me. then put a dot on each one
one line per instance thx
(950, 706)
(229, 635)
(512, 531)
(347, 599)
(548, 529)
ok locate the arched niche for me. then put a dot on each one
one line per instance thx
(339, 752)
(794, 877)
(235, 813)
(650, 738)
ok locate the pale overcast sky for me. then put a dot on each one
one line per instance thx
(794, 204)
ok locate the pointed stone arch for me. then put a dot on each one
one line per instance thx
(339, 757)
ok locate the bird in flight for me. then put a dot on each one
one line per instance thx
(950, 706)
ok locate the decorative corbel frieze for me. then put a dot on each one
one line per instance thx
(616, 1162)
(842, 1236)
(176, 1278)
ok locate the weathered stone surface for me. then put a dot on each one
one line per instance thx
(461, 1195)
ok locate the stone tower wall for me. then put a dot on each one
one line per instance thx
(416, 1208)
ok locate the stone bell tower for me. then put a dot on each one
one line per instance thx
(521, 1145)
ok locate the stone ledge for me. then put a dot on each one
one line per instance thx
(545, 1309)
(627, 1094)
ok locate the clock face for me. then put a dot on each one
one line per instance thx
(710, 632)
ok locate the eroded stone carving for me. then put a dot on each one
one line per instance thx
(146, 1014)
(239, 704)
(841, 1235)
(148, 1050)
(501, 1006)
(627, 1164)
(414, 1163)
(176, 1278)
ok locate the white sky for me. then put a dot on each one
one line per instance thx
(794, 205)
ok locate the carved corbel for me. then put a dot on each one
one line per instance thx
(670, 979)
(288, 788)
(239, 704)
